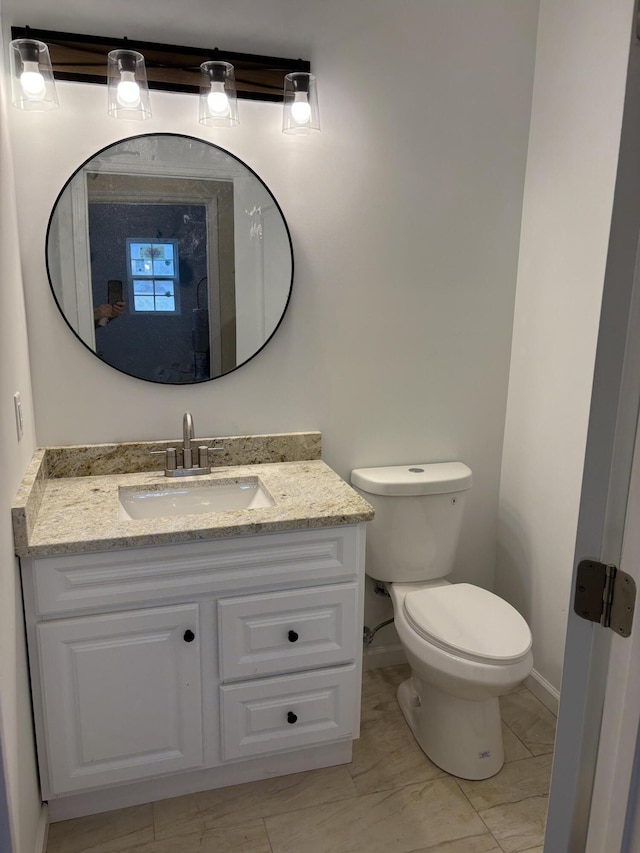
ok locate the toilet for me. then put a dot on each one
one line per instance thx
(465, 645)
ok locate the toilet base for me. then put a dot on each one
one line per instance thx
(462, 737)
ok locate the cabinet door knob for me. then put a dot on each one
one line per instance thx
(292, 636)
(189, 636)
(291, 717)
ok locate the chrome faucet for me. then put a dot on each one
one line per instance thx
(187, 434)
(190, 466)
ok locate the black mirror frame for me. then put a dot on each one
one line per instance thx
(226, 153)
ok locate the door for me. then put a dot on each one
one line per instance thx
(5, 834)
(122, 696)
(613, 798)
(599, 707)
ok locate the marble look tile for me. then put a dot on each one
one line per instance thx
(530, 720)
(249, 838)
(109, 832)
(518, 826)
(409, 819)
(235, 805)
(386, 755)
(516, 781)
(477, 844)
(384, 680)
(514, 749)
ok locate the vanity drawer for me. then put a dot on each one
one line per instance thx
(275, 714)
(146, 575)
(280, 632)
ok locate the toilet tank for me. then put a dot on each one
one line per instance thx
(418, 514)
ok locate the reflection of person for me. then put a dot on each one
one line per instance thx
(103, 313)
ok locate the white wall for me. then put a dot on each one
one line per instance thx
(580, 74)
(405, 218)
(16, 730)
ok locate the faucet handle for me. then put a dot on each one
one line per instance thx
(171, 459)
(203, 454)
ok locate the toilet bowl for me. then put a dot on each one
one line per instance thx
(465, 645)
(461, 661)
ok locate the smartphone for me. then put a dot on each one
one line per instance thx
(114, 292)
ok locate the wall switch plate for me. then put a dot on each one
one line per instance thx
(17, 403)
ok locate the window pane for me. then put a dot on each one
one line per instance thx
(142, 286)
(163, 266)
(148, 250)
(163, 288)
(136, 249)
(143, 303)
(165, 303)
(139, 267)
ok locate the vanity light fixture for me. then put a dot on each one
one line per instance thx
(218, 100)
(219, 77)
(300, 114)
(128, 92)
(32, 84)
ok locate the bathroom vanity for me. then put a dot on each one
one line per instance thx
(178, 653)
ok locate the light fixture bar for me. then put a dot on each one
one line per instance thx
(170, 68)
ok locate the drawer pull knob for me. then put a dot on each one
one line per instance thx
(292, 636)
(189, 636)
(292, 718)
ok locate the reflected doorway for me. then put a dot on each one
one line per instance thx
(173, 264)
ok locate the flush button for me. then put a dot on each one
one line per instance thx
(417, 470)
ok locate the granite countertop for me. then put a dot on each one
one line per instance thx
(59, 514)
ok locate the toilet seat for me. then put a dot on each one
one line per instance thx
(469, 622)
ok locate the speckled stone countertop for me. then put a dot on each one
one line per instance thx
(55, 515)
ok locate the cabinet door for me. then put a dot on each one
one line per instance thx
(121, 696)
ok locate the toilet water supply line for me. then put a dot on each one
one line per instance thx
(368, 634)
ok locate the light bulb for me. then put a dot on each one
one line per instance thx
(300, 108)
(128, 92)
(218, 100)
(32, 81)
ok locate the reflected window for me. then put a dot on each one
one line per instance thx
(153, 275)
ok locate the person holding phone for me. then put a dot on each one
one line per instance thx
(114, 307)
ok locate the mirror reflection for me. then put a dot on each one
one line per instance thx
(169, 258)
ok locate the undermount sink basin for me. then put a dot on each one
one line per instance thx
(189, 499)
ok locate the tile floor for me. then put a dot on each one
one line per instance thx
(390, 799)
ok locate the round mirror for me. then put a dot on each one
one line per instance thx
(169, 258)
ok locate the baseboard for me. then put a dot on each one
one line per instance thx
(377, 656)
(43, 830)
(543, 690)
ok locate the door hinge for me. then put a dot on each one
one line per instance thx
(605, 594)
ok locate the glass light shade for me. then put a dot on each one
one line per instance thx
(218, 98)
(300, 114)
(32, 83)
(128, 91)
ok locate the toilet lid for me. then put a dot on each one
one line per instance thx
(470, 621)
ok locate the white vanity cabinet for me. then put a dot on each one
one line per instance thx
(196, 665)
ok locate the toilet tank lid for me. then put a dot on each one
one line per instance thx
(433, 478)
